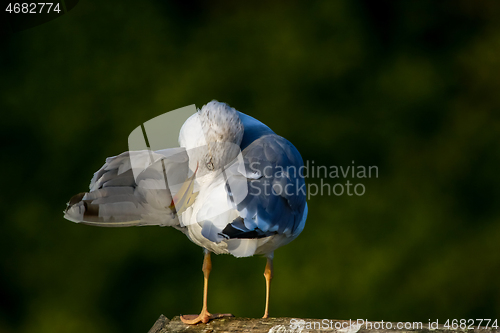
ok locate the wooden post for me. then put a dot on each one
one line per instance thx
(298, 325)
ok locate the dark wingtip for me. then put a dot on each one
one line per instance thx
(74, 200)
(91, 212)
(237, 229)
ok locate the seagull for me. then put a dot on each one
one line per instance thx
(232, 187)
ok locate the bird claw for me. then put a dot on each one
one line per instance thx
(203, 317)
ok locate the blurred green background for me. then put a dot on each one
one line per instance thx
(409, 86)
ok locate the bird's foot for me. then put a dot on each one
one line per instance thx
(265, 316)
(203, 317)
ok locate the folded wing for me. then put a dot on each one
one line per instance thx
(273, 197)
(132, 189)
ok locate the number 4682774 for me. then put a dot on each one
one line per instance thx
(469, 324)
(32, 8)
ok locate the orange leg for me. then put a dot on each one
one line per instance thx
(268, 274)
(204, 316)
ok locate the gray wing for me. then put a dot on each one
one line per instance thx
(276, 190)
(117, 198)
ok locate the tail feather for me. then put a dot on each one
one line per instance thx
(118, 199)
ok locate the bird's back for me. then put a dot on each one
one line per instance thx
(259, 202)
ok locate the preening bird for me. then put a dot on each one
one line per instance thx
(232, 187)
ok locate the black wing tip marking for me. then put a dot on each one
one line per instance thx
(75, 199)
(91, 212)
(237, 230)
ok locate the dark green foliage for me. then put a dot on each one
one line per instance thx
(410, 86)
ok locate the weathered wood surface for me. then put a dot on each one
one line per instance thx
(296, 325)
